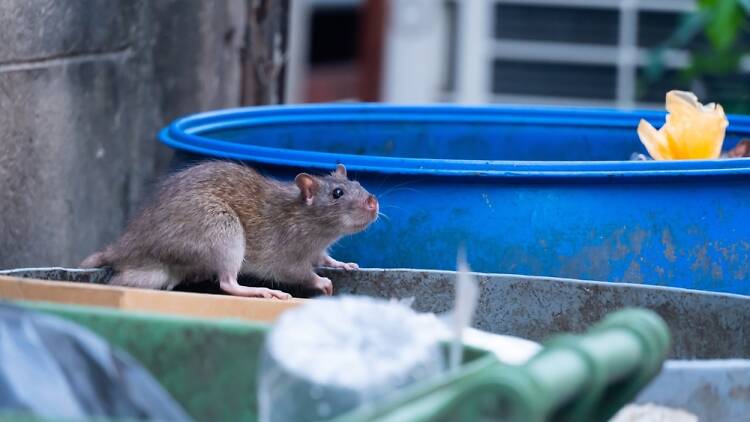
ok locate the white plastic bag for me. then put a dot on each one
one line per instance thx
(330, 356)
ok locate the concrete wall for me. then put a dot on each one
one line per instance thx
(84, 87)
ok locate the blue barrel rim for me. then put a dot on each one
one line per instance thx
(186, 134)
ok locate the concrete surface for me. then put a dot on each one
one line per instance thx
(84, 87)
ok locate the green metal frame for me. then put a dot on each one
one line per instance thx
(210, 367)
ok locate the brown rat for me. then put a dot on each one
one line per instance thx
(220, 219)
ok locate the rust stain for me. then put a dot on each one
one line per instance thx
(740, 274)
(736, 258)
(740, 392)
(637, 237)
(725, 252)
(708, 398)
(633, 273)
(716, 272)
(668, 243)
(701, 258)
(620, 250)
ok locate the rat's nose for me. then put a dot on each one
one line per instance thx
(371, 203)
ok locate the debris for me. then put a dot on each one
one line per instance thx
(692, 131)
(742, 149)
(333, 355)
(652, 413)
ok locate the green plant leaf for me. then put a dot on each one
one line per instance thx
(716, 63)
(726, 19)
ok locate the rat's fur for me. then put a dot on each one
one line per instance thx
(220, 219)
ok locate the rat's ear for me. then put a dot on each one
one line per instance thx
(340, 171)
(307, 185)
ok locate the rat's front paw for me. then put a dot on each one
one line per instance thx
(348, 266)
(323, 284)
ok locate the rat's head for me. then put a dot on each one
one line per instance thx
(345, 201)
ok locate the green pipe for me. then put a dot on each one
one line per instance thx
(574, 378)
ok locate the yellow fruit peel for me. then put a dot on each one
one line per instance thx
(692, 131)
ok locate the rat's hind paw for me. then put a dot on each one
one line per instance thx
(235, 289)
(273, 294)
(323, 284)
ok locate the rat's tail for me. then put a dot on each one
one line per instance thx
(96, 260)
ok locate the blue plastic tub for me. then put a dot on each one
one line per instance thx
(541, 191)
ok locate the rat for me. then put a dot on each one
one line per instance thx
(220, 219)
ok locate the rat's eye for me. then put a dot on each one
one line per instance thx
(338, 193)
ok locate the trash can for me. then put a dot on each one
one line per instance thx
(703, 325)
(528, 190)
(709, 364)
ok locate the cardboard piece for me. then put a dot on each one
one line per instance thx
(173, 303)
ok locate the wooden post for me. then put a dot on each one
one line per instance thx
(264, 55)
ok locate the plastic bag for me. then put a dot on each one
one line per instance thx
(692, 131)
(50, 367)
(333, 355)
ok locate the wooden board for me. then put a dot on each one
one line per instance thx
(174, 303)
